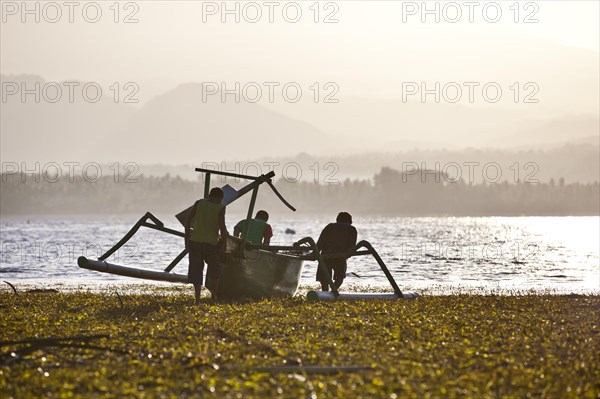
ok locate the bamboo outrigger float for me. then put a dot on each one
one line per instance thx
(249, 270)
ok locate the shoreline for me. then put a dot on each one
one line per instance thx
(424, 289)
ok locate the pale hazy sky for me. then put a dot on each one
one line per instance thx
(171, 44)
(573, 23)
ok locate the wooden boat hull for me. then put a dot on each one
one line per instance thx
(258, 273)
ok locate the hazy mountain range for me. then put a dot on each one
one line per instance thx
(179, 127)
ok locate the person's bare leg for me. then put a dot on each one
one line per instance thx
(197, 291)
(212, 284)
(213, 272)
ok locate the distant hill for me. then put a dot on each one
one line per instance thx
(180, 126)
(435, 126)
(552, 133)
(173, 128)
(61, 131)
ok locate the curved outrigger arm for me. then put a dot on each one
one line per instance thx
(386, 271)
(321, 265)
(156, 225)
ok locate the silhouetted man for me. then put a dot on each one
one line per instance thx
(339, 237)
(201, 239)
(259, 232)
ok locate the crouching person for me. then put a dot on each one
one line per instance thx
(338, 237)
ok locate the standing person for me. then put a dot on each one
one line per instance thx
(336, 237)
(202, 238)
(259, 232)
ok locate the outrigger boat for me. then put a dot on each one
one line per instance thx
(249, 270)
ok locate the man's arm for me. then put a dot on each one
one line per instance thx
(188, 222)
(326, 241)
(188, 225)
(237, 230)
(321, 240)
(267, 235)
(222, 226)
(353, 237)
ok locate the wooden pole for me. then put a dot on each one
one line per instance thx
(249, 216)
(105, 267)
(207, 185)
(175, 261)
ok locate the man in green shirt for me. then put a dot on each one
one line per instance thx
(202, 228)
(259, 232)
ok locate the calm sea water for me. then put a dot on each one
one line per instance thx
(440, 254)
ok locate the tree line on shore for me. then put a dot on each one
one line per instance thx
(389, 192)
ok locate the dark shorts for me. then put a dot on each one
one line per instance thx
(199, 253)
(338, 269)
